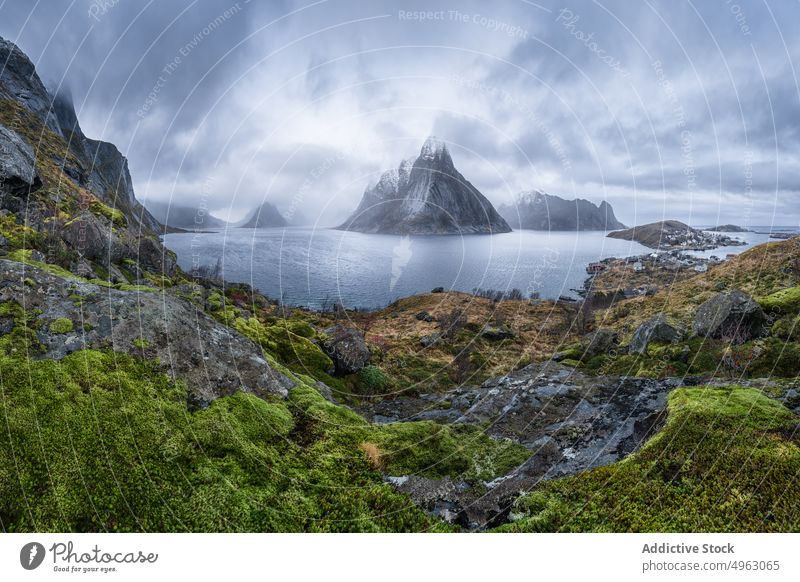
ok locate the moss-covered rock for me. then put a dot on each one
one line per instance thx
(726, 461)
(783, 301)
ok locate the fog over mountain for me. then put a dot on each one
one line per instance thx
(685, 111)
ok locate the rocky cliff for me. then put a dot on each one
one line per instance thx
(73, 193)
(536, 210)
(425, 196)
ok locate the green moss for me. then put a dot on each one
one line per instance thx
(141, 343)
(783, 301)
(216, 301)
(61, 325)
(17, 235)
(115, 215)
(725, 461)
(298, 352)
(137, 288)
(301, 328)
(103, 442)
(787, 327)
(24, 256)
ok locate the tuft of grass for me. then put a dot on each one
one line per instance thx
(727, 460)
(373, 454)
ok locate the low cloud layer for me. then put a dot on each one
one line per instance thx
(688, 111)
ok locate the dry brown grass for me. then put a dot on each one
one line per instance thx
(373, 454)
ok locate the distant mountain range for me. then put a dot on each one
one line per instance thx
(425, 196)
(536, 210)
(265, 216)
(185, 217)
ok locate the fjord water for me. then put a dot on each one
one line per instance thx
(314, 267)
(309, 267)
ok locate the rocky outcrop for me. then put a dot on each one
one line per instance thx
(103, 169)
(731, 315)
(19, 82)
(18, 175)
(212, 359)
(346, 348)
(570, 421)
(88, 209)
(265, 216)
(655, 329)
(496, 333)
(425, 196)
(536, 210)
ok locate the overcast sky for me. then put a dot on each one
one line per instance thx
(665, 109)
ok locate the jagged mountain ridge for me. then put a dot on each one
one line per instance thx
(425, 196)
(537, 210)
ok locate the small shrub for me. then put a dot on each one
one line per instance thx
(372, 380)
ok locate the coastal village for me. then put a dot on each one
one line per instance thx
(670, 261)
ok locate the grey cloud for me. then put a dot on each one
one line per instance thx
(572, 104)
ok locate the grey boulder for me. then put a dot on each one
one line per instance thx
(347, 349)
(655, 329)
(731, 315)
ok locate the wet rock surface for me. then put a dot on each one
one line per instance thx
(570, 421)
(212, 359)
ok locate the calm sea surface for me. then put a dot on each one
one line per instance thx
(312, 267)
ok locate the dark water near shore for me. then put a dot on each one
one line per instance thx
(312, 267)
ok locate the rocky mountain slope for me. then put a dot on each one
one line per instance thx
(83, 252)
(265, 216)
(537, 210)
(425, 196)
(74, 191)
